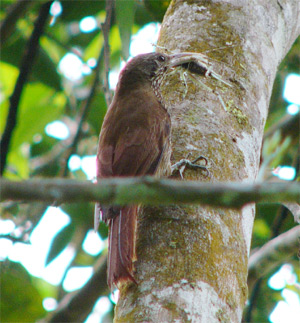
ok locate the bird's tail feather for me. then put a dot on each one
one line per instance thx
(121, 253)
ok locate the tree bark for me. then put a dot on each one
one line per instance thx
(192, 261)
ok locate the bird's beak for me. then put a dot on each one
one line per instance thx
(186, 57)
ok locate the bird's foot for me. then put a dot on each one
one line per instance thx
(186, 163)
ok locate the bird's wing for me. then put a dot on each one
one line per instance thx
(133, 145)
(132, 142)
(139, 150)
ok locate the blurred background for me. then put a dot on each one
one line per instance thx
(47, 251)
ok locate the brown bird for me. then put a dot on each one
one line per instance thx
(134, 141)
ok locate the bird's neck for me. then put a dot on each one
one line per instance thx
(136, 86)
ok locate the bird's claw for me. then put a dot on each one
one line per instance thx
(186, 163)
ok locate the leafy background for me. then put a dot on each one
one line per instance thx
(48, 96)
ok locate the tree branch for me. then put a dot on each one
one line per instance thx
(148, 191)
(105, 29)
(26, 66)
(84, 114)
(278, 221)
(76, 306)
(288, 125)
(273, 253)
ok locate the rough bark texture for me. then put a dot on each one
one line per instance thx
(192, 261)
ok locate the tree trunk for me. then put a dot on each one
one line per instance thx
(192, 261)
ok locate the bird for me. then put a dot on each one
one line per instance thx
(134, 141)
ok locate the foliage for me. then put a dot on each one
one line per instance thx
(49, 96)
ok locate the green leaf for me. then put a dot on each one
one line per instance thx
(94, 47)
(54, 50)
(8, 77)
(76, 10)
(103, 230)
(39, 106)
(97, 112)
(156, 8)
(80, 213)
(60, 242)
(20, 300)
(19, 164)
(125, 18)
(43, 69)
(115, 47)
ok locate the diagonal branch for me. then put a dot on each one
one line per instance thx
(288, 125)
(273, 253)
(105, 29)
(84, 114)
(85, 110)
(76, 306)
(25, 69)
(279, 219)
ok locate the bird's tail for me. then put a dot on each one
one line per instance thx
(121, 246)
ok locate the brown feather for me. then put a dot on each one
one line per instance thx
(133, 142)
(122, 246)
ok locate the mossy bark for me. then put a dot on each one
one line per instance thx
(192, 261)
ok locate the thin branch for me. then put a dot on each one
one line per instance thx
(25, 69)
(76, 306)
(281, 216)
(42, 162)
(84, 114)
(288, 125)
(105, 29)
(76, 243)
(105, 52)
(148, 191)
(272, 254)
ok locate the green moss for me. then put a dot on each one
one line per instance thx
(187, 255)
(191, 118)
(220, 145)
(216, 27)
(170, 306)
(222, 316)
(175, 312)
(173, 244)
(191, 248)
(225, 148)
(240, 117)
(227, 57)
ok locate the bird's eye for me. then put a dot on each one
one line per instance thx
(161, 58)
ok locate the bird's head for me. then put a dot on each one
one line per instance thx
(144, 67)
(150, 67)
